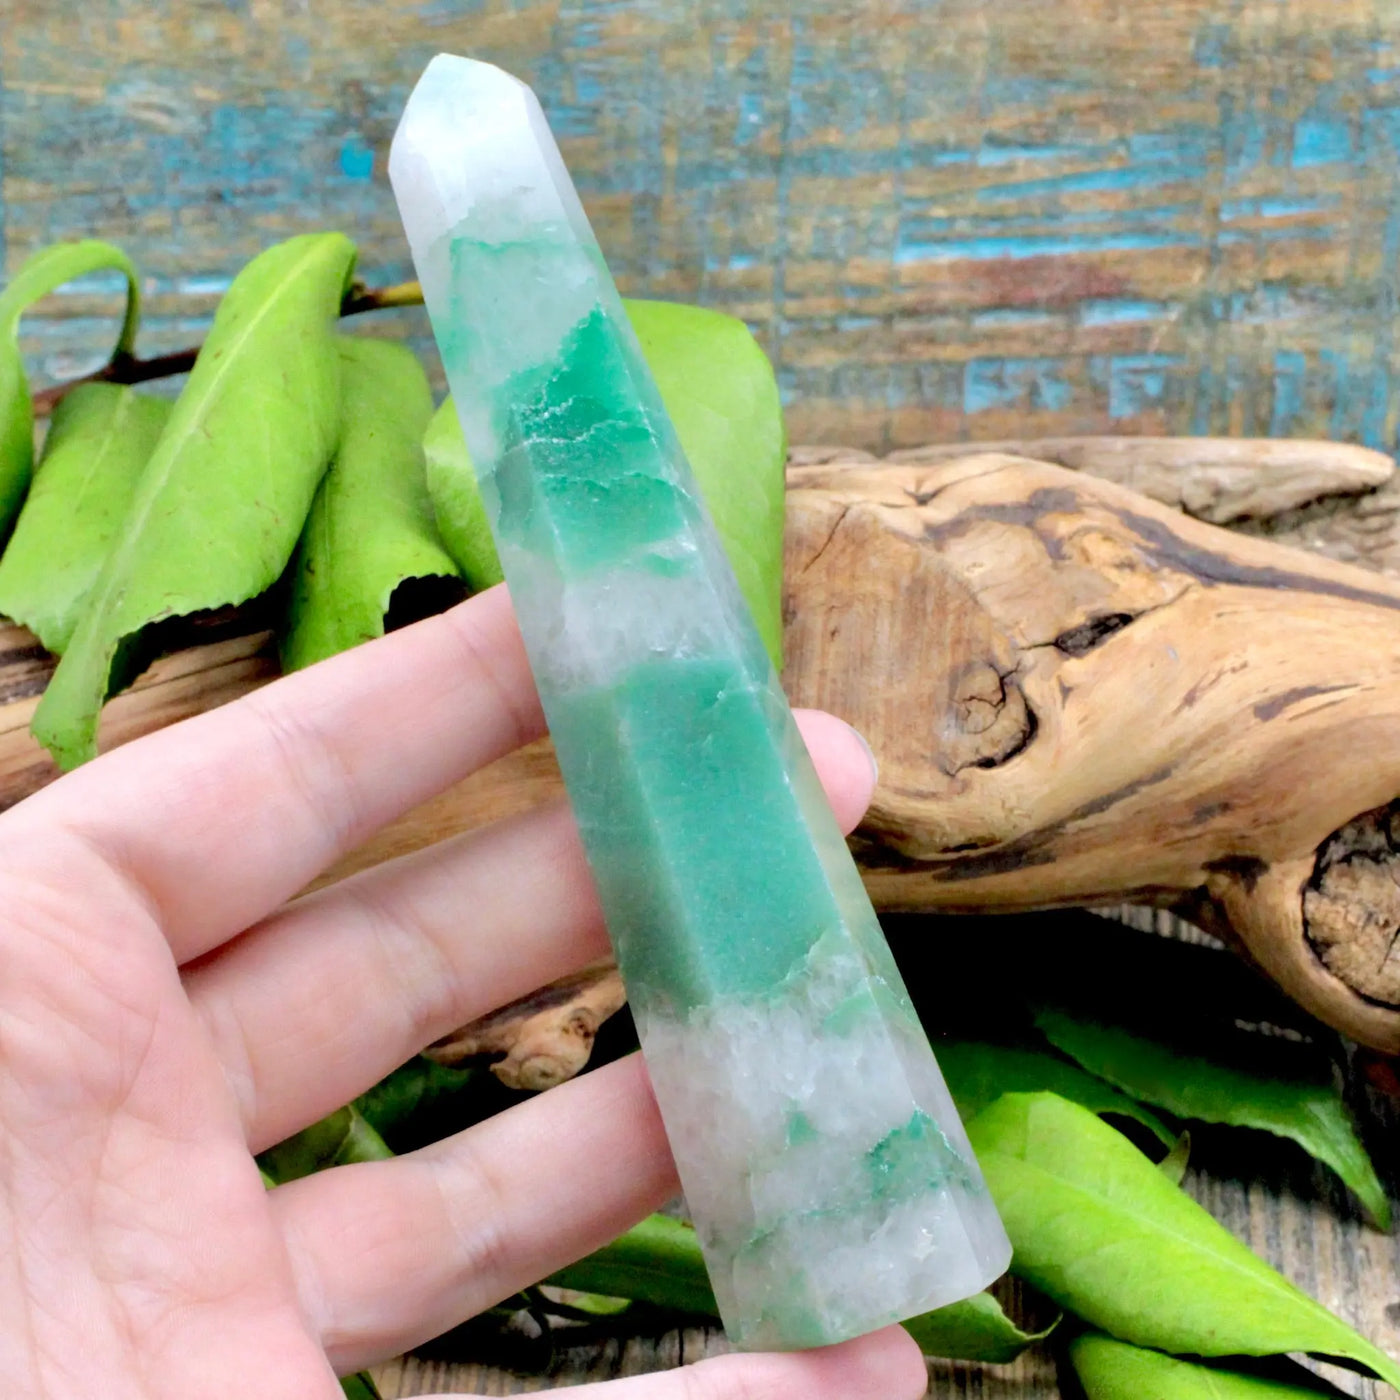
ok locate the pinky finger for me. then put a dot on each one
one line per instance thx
(885, 1365)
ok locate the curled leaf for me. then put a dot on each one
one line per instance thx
(1173, 1165)
(371, 524)
(43, 273)
(218, 510)
(98, 444)
(1112, 1370)
(976, 1329)
(719, 390)
(1274, 1085)
(1099, 1229)
(335, 1140)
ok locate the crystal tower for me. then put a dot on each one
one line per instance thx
(829, 1178)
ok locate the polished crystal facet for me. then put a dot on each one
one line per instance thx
(822, 1159)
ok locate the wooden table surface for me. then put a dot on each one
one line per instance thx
(946, 219)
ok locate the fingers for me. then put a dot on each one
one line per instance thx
(885, 1365)
(388, 1254)
(220, 819)
(327, 996)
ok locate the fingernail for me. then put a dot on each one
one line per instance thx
(869, 752)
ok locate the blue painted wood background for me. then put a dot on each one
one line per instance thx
(944, 218)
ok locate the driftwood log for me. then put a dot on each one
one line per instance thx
(1077, 695)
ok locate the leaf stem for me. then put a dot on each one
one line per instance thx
(125, 368)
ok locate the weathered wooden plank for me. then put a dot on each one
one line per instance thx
(946, 220)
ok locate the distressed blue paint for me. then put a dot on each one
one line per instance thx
(1321, 141)
(1290, 379)
(356, 159)
(1211, 45)
(980, 221)
(1126, 177)
(1135, 383)
(1034, 383)
(996, 151)
(1276, 208)
(749, 122)
(1006, 316)
(1038, 246)
(1122, 312)
(732, 262)
(1338, 374)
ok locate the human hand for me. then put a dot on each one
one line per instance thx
(165, 1012)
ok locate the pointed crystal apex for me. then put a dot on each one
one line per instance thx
(473, 143)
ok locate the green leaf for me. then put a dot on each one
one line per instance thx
(979, 1072)
(99, 442)
(1099, 1229)
(337, 1139)
(371, 524)
(974, 1330)
(1112, 1370)
(1279, 1088)
(719, 390)
(423, 1101)
(218, 510)
(659, 1262)
(586, 1305)
(457, 505)
(43, 273)
(360, 1387)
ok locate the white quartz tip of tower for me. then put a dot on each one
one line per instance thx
(471, 140)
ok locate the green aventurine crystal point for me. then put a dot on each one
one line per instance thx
(823, 1161)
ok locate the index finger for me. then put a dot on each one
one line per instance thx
(219, 819)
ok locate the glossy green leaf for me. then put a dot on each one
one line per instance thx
(43, 273)
(337, 1139)
(457, 505)
(720, 392)
(1112, 1370)
(659, 1262)
(371, 525)
(218, 510)
(977, 1329)
(1279, 1088)
(1099, 1229)
(98, 444)
(979, 1072)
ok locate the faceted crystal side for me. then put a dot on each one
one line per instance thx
(830, 1180)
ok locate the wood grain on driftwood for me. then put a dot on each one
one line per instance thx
(1077, 695)
(1080, 696)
